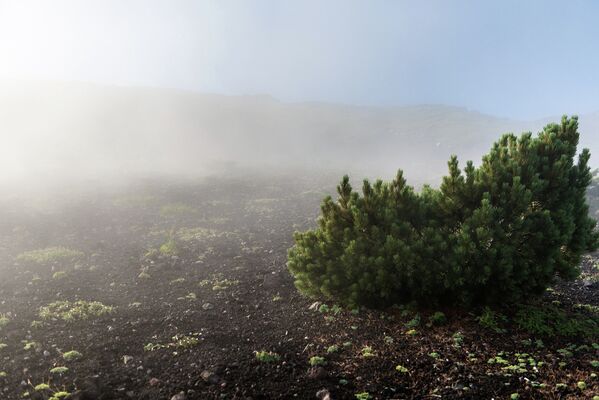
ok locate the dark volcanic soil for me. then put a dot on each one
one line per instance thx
(190, 318)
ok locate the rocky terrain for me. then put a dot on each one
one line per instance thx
(179, 290)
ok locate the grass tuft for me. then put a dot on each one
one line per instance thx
(49, 255)
(73, 311)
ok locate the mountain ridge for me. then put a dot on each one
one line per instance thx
(68, 127)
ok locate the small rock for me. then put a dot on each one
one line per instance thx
(46, 353)
(207, 306)
(126, 359)
(323, 394)
(314, 306)
(209, 377)
(587, 283)
(154, 381)
(179, 396)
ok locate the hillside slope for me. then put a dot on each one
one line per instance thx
(57, 129)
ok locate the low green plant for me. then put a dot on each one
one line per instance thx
(49, 255)
(588, 307)
(566, 352)
(185, 341)
(35, 324)
(30, 345)
(144, 275)
(218, 282)
(402, 369)
(154, 346)
(59, 370)
(73, 311)
(152, 253)
(317, 360)
(324, 308)
(560, 386)
(59, 275)
(179, 341)
(4, 320)
(458, 339)
(188, 296)
(41, 387)
(59, 395)
(414, 322)
(548, 320)
(498, 359)
(336, 309)
(332, 349)
(491, 320)
(363, 396)
(438, 318)
(367, 351)
(267, 356)
(72, 355)
(223, 284)
(170, 247)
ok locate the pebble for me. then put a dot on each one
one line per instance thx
(323, 394)
(209, 377)
(154, 381)
(207, 306)
(179, 396)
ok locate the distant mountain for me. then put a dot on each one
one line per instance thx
(55, 129)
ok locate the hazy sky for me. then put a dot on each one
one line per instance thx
(521, 59)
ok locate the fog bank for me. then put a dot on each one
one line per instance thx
(77, 131)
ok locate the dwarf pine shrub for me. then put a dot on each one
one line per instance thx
(494, 234)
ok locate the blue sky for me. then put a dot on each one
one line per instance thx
(518, 59)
